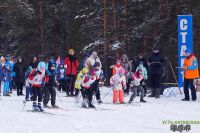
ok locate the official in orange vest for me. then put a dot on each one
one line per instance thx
(191, 72)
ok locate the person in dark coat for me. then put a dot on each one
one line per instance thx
(34, 62)
(19, 69)
(141, 58)
(155, 70)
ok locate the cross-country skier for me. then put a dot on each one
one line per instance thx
(136, 86)
(144, 74)
(78, 82)
(37, 80)
(87, 82)
(49, 88)
(118, 82)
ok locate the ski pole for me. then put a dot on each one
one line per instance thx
(106, 93)
(24, 102)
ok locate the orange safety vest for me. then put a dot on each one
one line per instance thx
(190, 74)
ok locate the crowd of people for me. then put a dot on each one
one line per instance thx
(83, 78)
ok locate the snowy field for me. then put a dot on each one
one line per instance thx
(134, 118)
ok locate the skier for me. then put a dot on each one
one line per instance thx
(99, 78)
(19, 69)
(118, 82)
(71, 63)
(155, 71)
(127, 65)
(144, 74)
(78, 82)
(49, 88)
(191, 72)
(61, 77)
(136, 86)
(86, 84)
(37, 80)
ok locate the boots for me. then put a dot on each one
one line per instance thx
(90, 105)
(142, 100)
(157, 93)
(83, 105)
(35, 107)
(99, 101)
(40, 107)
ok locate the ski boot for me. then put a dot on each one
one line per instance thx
(90, 105)
(55, 106)
(40, 107)
(83, 104)
(35, 107)
(99, 101)
(142, 100)
(46, 106)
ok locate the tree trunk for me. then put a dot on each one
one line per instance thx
(106, 43)
(41, 28)
(126, 25)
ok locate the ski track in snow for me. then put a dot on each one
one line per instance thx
(133, 118)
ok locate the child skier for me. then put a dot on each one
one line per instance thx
(87, 82)
(118, 82)
(37, 79)
(78, 82)
(49, 88)
(61, 76)
(136, 86)
(144, 74)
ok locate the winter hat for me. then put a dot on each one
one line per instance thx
(71, 51)
(96, 64)
(189, 51)
(50, 64)
(41, 65)
(2, 58)
(121, 71)
(141, 62)
(84, 70)
(139, 71)
(94, 54)
(155, 48)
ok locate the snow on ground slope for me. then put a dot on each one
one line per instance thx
(135, 118)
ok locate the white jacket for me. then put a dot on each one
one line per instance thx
(91, 60)
(118, 82)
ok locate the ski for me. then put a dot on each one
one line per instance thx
(42, 112)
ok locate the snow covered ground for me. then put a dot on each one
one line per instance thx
(135, 118)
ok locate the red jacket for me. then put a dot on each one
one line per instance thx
(72, 66)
